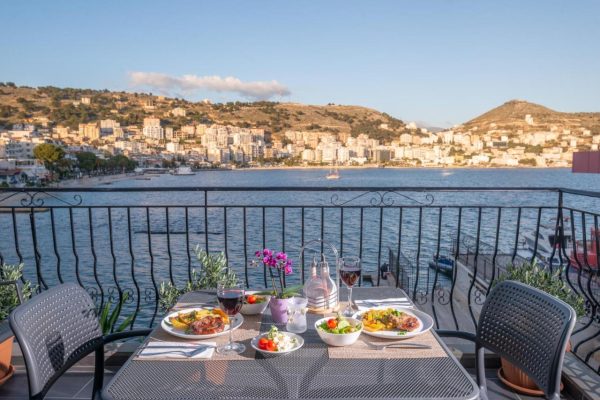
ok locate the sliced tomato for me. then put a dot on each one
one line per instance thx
(262, 343)
(271, 346)
(251, 299)
(331, 323)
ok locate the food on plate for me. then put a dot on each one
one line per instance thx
(254, 299)
(339, 326)
(389, 319)
(200, 322)
(277, 341)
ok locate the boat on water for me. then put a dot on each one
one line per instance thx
(183, 170)
(443, 264)
(334, 173)
(584, 254)
(550, 248)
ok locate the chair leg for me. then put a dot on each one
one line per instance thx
(480, 367)
(98, 372)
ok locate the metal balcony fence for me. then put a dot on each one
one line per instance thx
(127, 241)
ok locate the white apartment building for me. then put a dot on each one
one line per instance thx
(107, 126)
(153, 129)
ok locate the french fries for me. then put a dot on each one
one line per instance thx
(373, 320)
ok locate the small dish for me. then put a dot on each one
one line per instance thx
(339, 339)
(299, 344)
(256, 308)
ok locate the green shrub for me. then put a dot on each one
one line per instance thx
(8, 293)
(213, 271)
(532, 274)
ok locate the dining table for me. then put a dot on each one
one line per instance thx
(314, 371)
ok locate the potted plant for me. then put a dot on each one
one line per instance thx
(12, 293)
(214, 270)
(532, 274)
(282, 265)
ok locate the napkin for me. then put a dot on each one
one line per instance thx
(171, 350)
(391, 302)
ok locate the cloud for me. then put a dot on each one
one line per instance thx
(260, 90)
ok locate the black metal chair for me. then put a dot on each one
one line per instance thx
(526, 326)
(56, 329)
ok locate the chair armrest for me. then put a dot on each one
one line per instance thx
(126, 334)
(457, 334)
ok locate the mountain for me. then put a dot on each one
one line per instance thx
(511, 116)
(63, 106)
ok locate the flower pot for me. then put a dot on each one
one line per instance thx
(6, 368)
(518, 380)
(278, 309)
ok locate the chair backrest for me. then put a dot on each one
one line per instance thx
(55, 329)
(529, 328)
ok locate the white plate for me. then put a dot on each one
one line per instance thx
(254, 344)
(425, 324)
(236, 321)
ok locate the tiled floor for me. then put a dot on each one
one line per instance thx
(78, 385)
(73, 385)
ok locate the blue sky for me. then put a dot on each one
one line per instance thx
(442, 62)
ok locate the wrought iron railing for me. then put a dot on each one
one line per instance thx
(117, 241)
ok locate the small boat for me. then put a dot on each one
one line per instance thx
(584, 254)
(333, 173)
(183, 170)
(443, 264)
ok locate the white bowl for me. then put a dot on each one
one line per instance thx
(254, 344)
(256, 308)
(335, 339)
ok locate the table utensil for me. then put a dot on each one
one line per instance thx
(398, 345)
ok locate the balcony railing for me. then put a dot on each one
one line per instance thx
(117, 241)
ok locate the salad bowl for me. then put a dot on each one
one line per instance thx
(255, 303)
(339, 331)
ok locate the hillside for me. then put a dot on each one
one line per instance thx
(511, 116)
(62, 107)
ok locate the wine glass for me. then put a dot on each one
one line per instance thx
(350, 275)
(231, 299)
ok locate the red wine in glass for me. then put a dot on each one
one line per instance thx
(231, 298)
(350, 276)
(231, 301)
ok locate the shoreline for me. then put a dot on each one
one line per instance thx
(86, 181)
(96, 181)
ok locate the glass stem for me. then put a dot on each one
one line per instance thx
(230, 334)
(350, 297)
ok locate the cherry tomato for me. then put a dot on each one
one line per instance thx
(332, 323)
(251, 299)
(271, 346)
(262, 343)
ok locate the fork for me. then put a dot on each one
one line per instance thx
(398, 345)
(186, 353)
